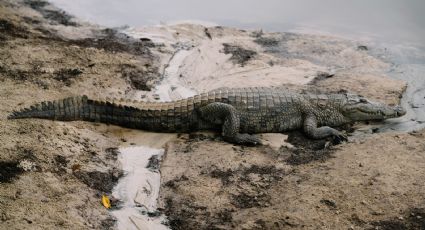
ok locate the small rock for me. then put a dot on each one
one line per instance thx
(154, 213)
(4, 216)
(377, 213)
(28, 220)
(323, 75)
(329, 203)
(362, 47)
(27, 166)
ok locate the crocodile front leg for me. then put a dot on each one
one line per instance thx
(311, 129)
(227, 116)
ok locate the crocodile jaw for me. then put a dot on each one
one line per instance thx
(365, 111)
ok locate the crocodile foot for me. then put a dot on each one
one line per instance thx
(244, 139)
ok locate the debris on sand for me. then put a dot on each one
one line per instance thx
(267, 41)
(307, 150)
(53, 14)
(66, 75)
(239, 55)
(102, 181)
(9, 171)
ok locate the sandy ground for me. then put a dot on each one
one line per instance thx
(53, 174)
(377, 182)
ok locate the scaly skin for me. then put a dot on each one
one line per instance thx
(237, 112)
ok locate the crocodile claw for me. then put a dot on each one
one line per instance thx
(339, 137)
(245, 139)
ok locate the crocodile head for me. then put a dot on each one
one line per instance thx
(358, 108)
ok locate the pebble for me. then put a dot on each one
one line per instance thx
(4, 217)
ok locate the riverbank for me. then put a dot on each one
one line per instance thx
(53, 174)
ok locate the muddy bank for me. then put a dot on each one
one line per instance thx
(371, 184)
(54, 173)
(296, 182)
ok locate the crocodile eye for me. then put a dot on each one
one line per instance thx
(363, 100)
(321, 104)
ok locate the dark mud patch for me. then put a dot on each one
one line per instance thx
(9, 171)
(224, 175)
(320, 76)
(250, 200)
(185, 214)
(267, 41)
(112, 153)
(108, 224)
(61, 164)
(34, 74)
(19, 74)
(180, 214)
(55, 16)
(308, 150)
(102, 181)
(413, 220)
(194, 140)
(10, 30)
(140, 78)
(250, 186)
(174, 183)
(112, 40)
(153, 163)
(239, 55)
(264, 176)
(67, 75)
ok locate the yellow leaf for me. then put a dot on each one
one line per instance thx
(106, 202)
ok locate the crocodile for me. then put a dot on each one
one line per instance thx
(239, 113)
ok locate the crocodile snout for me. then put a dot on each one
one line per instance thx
(400, 111)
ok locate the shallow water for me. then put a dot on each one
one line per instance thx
(388, 20)
(138, 190)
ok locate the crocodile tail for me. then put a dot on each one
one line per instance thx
(80, 108)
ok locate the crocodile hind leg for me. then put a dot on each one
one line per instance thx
(227, 116)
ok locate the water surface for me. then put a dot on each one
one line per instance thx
(389, 20)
